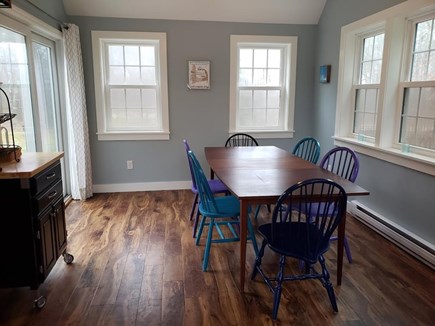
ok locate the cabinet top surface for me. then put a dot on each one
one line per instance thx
(29, 165)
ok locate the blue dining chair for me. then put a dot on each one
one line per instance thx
(344, 162)
(216, 187)
(217, 213)
(301, 234)
(307, 148)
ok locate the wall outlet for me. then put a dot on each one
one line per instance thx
(129, 165)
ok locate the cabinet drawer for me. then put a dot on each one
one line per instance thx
(48, 197)
(46, 178)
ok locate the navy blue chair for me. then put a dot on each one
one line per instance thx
(307, 148)
(302, 231)
(218, 212)
(216, 187)
(241, 139)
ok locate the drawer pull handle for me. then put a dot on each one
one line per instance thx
(52, 195)
(50, 176)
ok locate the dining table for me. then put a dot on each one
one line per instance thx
(258, 175)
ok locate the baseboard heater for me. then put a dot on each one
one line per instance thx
(408, 241)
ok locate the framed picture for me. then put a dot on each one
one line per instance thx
(325, 73)
(199, 75)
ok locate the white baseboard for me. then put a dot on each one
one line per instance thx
(408, 241)
(141, 186)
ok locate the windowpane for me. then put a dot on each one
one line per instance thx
(273, 117)
(274, 58)
(133, 99)
(410, 105)
(245, 99)
(148, 75)
(273, 78)
(273, 99)
(245, 58)
(259, 116)
(132, 75)
(116, 55)
(371, 64)
(131, 55)
(116, 75)
(371, 100)
(149, 99)
(245, 77)
(117, 98)
(259, 99)
(16, 84)
(245, 117)
(423, 59)
(260, 77)
(46, 97)
(260, 58)
(427, 102)
(147, 56)
(423, 36)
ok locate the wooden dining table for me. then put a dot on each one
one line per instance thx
(259, 175)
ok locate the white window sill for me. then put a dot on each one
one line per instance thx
(133, 136)
(413, 161)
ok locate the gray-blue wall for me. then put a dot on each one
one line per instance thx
(402, 195)
(201, 116)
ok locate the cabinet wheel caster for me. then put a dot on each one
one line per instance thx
(68, 258)
(40, 302)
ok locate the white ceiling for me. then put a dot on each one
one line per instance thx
(255, 11)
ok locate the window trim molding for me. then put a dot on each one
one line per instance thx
(385, 147)
(288, 126)
(98, 37)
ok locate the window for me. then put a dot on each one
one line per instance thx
(367, 88)
(386, 86)
(262, 85)
(417, 126)
(29, 68)
(131, 85)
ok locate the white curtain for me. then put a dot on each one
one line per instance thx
(78, 133)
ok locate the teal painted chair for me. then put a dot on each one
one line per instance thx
(220, 213)
(307, 148)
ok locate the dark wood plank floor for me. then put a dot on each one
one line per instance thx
(136, 264)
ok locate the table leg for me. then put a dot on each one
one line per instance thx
(243, 234)
(340, 246)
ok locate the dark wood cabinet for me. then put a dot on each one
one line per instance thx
(33, 233)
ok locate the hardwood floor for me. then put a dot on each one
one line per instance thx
(136, 264)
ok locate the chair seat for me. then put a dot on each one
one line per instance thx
(216, 186)
(228, 206)
(290, 239)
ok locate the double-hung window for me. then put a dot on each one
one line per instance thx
(131, 85)
(262, 85)
(386, 86)
(417, 126)
(368, 86)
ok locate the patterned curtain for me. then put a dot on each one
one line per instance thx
(78, 137)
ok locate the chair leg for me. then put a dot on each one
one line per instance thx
(257, 210)
(195, 202)
(201, 227)
(252, 236)
(278, 289)
(347, 249)
(208, 245)
(327, 284)
(195, 224)
(258, 260)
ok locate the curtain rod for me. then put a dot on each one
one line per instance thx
(62, 24)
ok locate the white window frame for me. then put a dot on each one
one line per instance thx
(395, 21)
(290, 44)
(98, 39)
